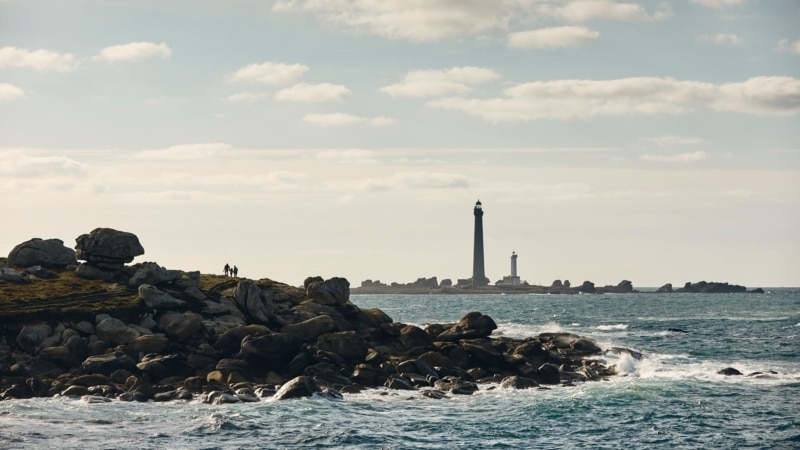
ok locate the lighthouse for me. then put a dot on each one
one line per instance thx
(478, 273)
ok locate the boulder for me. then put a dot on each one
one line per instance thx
(254, 302)
(151, 343)
(346, 344)
(40, 272)
(12, 276)
(108, 248)
(157, 299)
(587, 288)
(335, 291)
(271, 350)
(92, 272)
(301, 386)
(665, 289)
(42, 252)
(311, 329)
(414, 337)
(116, 331)
(549, 374)
(32, 336)
(455, 385)
(108, 363)
(516, 382)
(152, 273)
(729, 371)
(181, 326)
(471, 326)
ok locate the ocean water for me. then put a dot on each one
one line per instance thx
(672, 398)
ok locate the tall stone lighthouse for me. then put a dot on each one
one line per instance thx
(478, 273)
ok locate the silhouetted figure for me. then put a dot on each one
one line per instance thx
(235, 271)
(227, 269)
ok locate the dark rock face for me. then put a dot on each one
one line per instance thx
(665, 289)
(702, 287)
(302, 386)
(729, 371)
(588, 287)
(42, 252)
(471, 326)
(107, 248)
(335, 291)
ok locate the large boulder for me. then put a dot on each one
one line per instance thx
(42, 252)
(271, 350)
(346, 344)
(335, 291)
(92, 272)
(108, 363)
(181, 326)
(311, 329)
(108, 248)
(157, 299)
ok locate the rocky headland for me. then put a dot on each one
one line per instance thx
(87, 323)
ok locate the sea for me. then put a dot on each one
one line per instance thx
(673, 397)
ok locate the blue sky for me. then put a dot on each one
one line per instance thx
(651, 141)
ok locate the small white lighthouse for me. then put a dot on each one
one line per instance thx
(512, 279)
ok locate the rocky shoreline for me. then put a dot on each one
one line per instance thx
(163, 335)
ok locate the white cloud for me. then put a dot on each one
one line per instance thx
(9, 92)
(245, 97)
(553, 37)
(722, 39)
(680, 157)
(341, 119)
(41, 60)
(789, 46)
(14, 163)
(437, 83)
(718, 4)
(269, 72)
(581, 99)
(668, 140)
(586, 10)
(416, 180)
(186, 152)
(411, 20)
(134, 51)
(313, 93)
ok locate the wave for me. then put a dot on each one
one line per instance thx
(619, 326)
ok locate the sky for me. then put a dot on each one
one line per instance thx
(652, 141)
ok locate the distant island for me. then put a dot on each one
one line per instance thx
(464, 286)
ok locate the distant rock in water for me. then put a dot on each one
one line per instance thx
(665, 289)
(42, 252)
(702, 287)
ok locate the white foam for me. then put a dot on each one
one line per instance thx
(619, 326)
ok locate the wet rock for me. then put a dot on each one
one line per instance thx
(549, 374)
(455, 385)
(399, 383)
(42, 252)
(517, 382)
(108, 363)
(729, 371)
(302, 386)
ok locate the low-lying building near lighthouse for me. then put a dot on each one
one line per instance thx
(512, 279)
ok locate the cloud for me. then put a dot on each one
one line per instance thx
(416, 180)
(718, 4)
(410, 20)
(788, 46)
(269, 73)
(9, 92)
(586, 10)
(186, 152)
(246, 97)
(313, 93)
(722, 39)
(437, 83)
(680, 157)
(41, 60)
(582, 99)
(668, 140)
(134, 51)
(15, 163)
(352, 156)
(341, 119)
(553, 37)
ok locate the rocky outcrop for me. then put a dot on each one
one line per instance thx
(236, 344)
(702, 287)
(42, 252)
(105, 252)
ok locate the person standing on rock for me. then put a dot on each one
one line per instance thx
(227, 269)
(235, 271)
